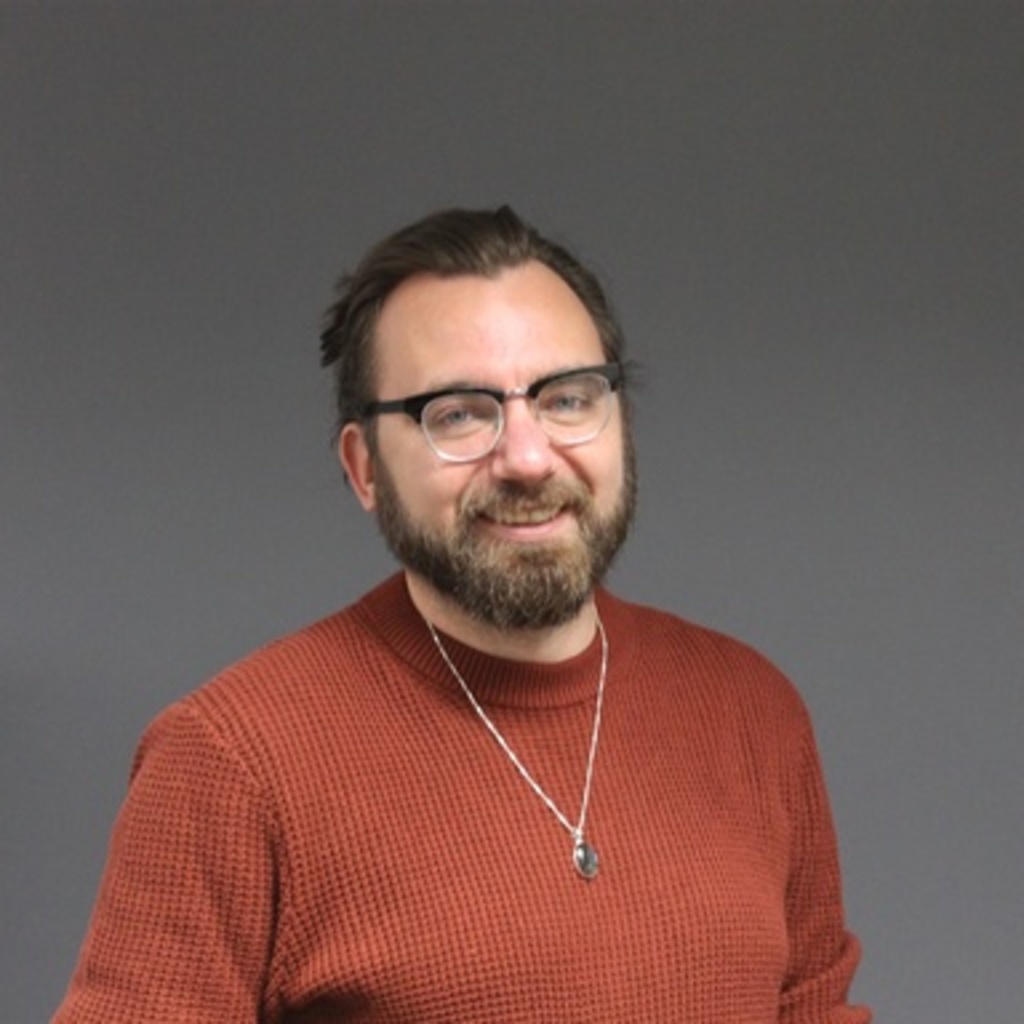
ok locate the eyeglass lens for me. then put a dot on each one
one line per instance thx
(466, 425)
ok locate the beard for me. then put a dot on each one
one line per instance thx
(502, 583)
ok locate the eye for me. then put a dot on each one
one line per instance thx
(460, 414)
(571, 399)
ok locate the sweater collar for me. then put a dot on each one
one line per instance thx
(498, 682)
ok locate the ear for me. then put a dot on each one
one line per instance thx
(355, 458)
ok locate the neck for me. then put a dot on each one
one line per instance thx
(556, 643)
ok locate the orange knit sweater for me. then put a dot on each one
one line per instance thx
(326, 832)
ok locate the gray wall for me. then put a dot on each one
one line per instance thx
(810, 217)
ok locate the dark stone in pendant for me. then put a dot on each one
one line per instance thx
(584, 857)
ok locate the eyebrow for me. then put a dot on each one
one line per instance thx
(465, 384)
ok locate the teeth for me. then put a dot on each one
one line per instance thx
(526, 518)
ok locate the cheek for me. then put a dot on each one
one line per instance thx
(421, 483)
(432, 494)
(607, 470)
(614, 482)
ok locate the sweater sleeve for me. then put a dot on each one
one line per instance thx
(183, 923)
(823, 954)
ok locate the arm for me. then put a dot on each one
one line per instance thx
(183, 924)
(823, 955)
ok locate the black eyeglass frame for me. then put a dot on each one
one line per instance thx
(415, 404)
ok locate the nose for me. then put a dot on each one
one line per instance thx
(524, 451)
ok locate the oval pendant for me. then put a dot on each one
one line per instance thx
(584, 858)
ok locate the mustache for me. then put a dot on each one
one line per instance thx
(517, 499)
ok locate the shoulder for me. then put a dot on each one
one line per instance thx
(702, 661)
(322, 657)
(283, 695)
(292, 667)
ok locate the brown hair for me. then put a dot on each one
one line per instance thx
(448, 243)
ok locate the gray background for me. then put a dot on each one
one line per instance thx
(810, 218)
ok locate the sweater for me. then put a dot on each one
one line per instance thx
(327, 832)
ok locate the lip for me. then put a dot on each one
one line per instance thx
(526, 530)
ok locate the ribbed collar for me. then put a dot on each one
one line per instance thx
(498, 682)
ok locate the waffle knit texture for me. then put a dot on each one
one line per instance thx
(327, 832)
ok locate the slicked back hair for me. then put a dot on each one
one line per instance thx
(449, 243)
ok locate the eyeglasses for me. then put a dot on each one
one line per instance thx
(464, 424)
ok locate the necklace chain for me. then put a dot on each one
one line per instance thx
(584, 857)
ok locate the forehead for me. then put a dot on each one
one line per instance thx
(505, 331)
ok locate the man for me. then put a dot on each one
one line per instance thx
(489, 790)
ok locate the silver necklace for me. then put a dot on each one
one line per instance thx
(584, 856)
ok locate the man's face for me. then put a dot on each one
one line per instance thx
(518, 538)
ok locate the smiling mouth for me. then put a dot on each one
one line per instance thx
(513, 508)
(525, 517)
